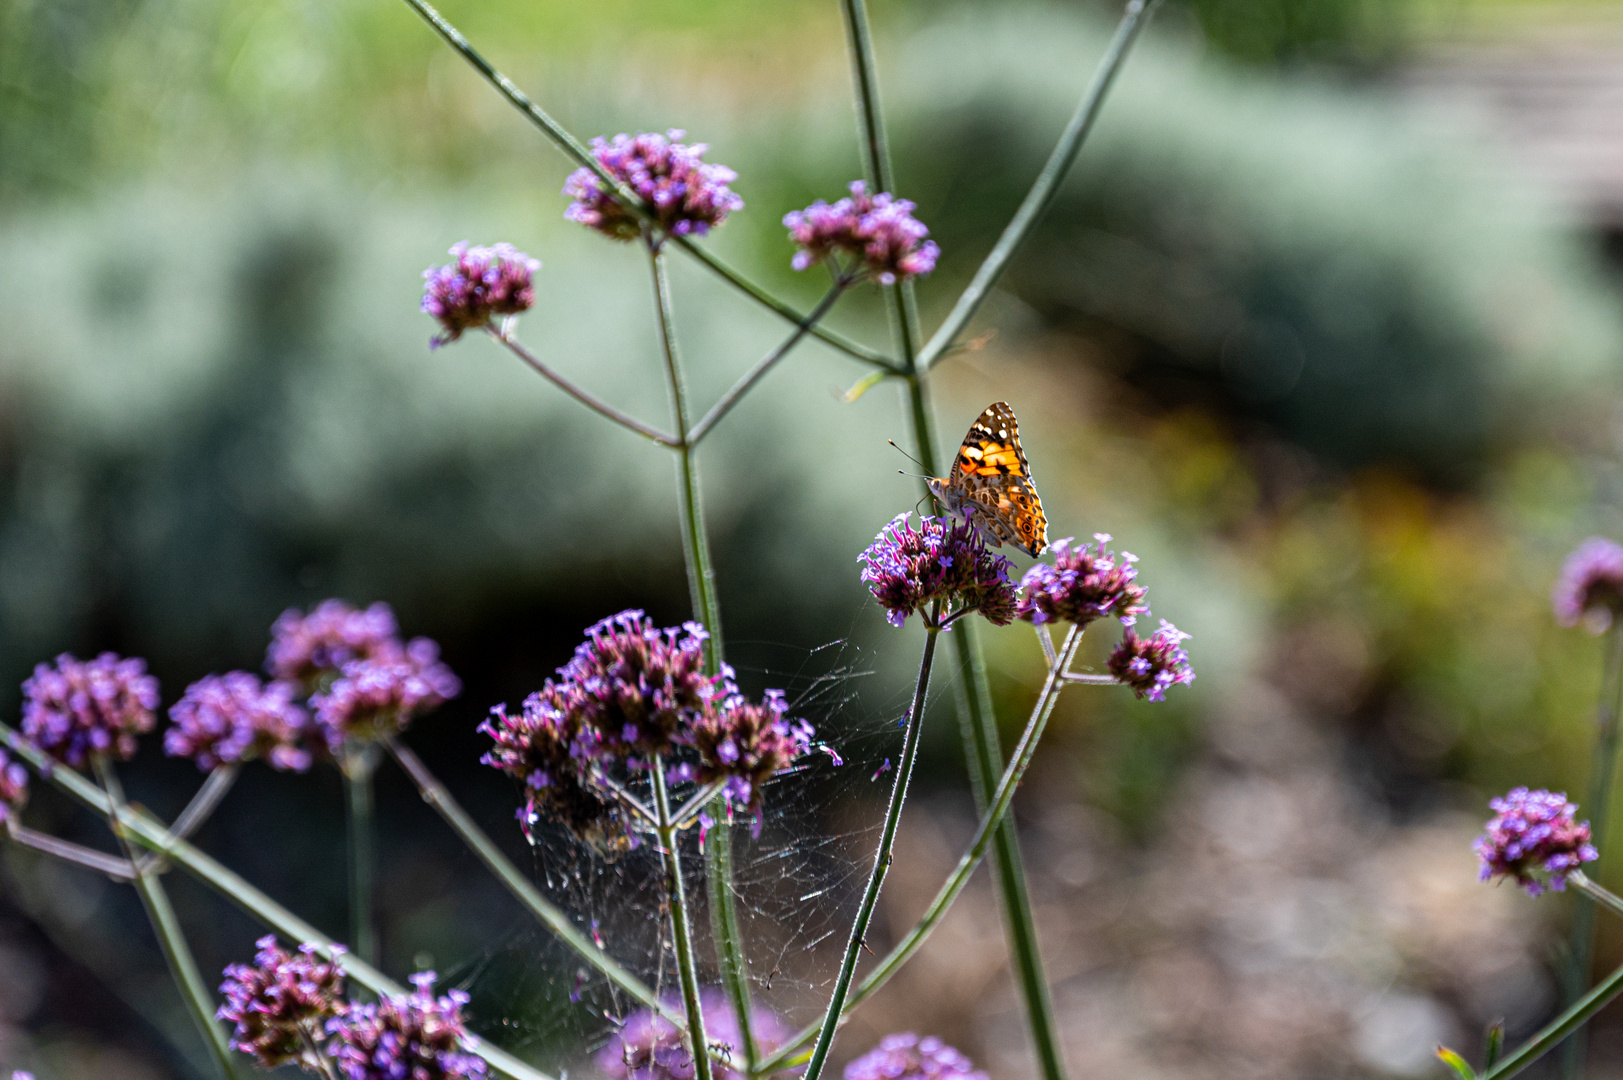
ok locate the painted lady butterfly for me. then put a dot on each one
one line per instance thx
(991, 484)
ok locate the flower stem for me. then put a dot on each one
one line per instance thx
(1558, 1029)
(142, 828)
(360, 762)
(101, 862)
(881, 864)
(437, 796)
(171, 939)
(1046, 185)
(625, 420)
(1603, 770)
(214, 789)
(687, 970)
(1604, 897)
(914, 939)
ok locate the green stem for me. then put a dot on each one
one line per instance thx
(881, 864)
(171, 938)
(1603, 770)
(115, 868)
(1559, 1028)
(602, 408)
(150, 833)
(1601, 896)
(577, 152)
(1045, 187)
(197, 811)
(360, 762)
(437, 796)
(915, 938)
(729, 936)
(687, 969)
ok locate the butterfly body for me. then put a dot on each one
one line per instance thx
(990, 483)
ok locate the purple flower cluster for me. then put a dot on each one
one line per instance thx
(482, 283)
(309, 648)
(416, 1036)
(878, 232)
(380, 695)
(906, 1056)
(1152, 664)
(633, 692)
(687, 195)
(231, 718)
(1534, 831)
(649, 1047)
(13, 787)
(83, 707)
(281, 1004)
(945, 559)
(1591, 584)
(1082, 584)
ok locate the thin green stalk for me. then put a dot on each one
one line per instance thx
(99, 861)
(602, 408)
(577, 152)
(150, 833)
(1045, 187)
(915, 938)
(360, 762)
(729, 936)
(436, 795)
(687, 968)
(1594, 891)
(1603, 770)
(1559, 1028)
(881, 863)
(197, 811)
(171, 938)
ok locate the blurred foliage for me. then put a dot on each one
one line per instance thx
(1278, 32)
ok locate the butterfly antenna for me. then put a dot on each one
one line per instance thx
(906, 455)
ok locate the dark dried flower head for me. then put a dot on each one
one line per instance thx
(481, 284)
(905, 1056)
(1534, 833)
(687, 195)
(548, 751)
(382, 694)
(649, 1047)
(230, 718)
(878, 233)
(281, 1003)
(1150, 665)
(1082, 585)
(13, 787)
(84, 707)
(308, 649)
(1590, 588)
(415, 1036)
(944, 559)
(745, 744)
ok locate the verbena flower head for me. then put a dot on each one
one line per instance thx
(380, 695)
(1591, 584)
(1083, 584)
(82, 707)
(281, 1004)
(906, 1056)
(879, 232)
(1151, 664)
(553, 756)
(944, 559)
(649, 1047)
(415, 1036)
(745, 744)
(307, 649)
(13, 787)
(688, 196)
(230, 718)
(481, 284)
(1534, 833)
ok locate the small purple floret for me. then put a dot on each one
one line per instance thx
(481, 284)
(649, 1047)
(1591, 584)
(906, 1056)
(877, 232)
(945, 559)
(79, 708)
(1152, 664)
(308, 649)
(381, 694)
(13, 787)
(745, 744)
(224, 719)
(1082, 585)
(281, 1003)
(414, 1036)
(687, 195)
(1533, 832)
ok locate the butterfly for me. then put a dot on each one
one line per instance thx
(991, 484)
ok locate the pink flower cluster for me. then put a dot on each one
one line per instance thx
(415, 1036)
(1152, 664)
(1590, 585)
(878, 232)
(280, 1004)
(224, 719)
(13, 787)
(906, 1056)
(381, 694)
(1082, 584)
(481, 284)
(945, 559)
(688, 196)
(650, 1047)
(79, 708)
(1534, 833)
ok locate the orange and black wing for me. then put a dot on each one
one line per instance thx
(991, 470)
(992, 447)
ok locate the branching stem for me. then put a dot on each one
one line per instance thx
(625, 420)
(197, 811)
(687, 968)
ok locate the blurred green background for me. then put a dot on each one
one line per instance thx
(1321, 327)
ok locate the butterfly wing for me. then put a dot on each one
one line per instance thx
(994, 480)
